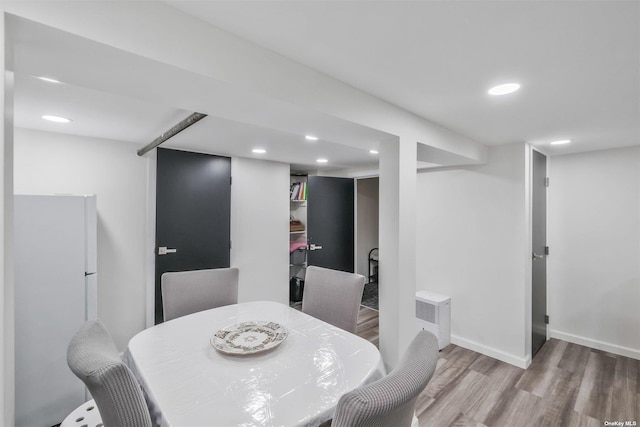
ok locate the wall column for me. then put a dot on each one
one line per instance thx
(397, 252)
(7, 395)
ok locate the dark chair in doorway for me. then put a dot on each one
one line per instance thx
(373, 265)
(370, 294)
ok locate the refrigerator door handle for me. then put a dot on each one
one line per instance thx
(91, 296)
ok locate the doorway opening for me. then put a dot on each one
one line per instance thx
(367, 201)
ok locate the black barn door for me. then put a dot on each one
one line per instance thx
(193, 212)
(330, 222)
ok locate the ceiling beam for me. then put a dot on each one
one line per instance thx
(193, 118)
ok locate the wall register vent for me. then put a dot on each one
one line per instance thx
(433, 314)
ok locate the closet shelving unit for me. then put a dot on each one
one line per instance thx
(298, 211)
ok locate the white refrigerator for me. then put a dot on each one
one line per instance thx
(55, 292)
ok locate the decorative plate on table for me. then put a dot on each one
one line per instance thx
(249, 337)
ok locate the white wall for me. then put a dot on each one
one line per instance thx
(366, 222)
(260, 229)
(472, 245)
(47, 163)
(594, 239)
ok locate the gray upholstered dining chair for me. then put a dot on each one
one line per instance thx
(333, 296)
(93, 357)
(391, 400)
(186, 292)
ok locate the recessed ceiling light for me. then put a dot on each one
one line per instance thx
(259, 150)
(560, 142)
(311, 138)
(373, 151)
(504, 89)
(56, 119)
(48, 79)
(322, 160)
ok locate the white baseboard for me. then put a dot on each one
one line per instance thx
(520, 362)
(599, 345)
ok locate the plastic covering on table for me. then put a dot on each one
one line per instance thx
(188, 383)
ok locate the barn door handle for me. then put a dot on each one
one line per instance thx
(163, 250)
(314, 247)
(536, 256)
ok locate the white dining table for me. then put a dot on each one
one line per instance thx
(187, 383)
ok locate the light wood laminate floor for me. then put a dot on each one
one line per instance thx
(566, 385)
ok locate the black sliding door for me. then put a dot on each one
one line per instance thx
(330, 218)
(193, 212)
(539, 256)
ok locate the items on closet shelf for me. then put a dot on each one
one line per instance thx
(295, 225)
(297, 252)
(298, 191)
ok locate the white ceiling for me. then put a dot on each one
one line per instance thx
(578, 63)
(121, 118)
(114, 95)
(94, 113)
